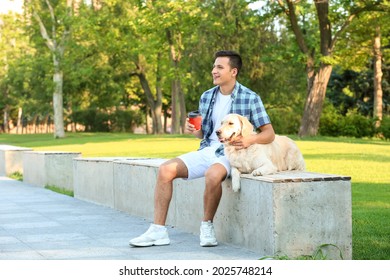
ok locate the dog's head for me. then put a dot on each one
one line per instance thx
(232, 126)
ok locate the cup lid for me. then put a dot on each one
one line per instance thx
(194, 114)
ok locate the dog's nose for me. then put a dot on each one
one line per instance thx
(218, 132)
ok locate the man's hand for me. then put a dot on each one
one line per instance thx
(242, 142)
(190, 128)
(267, 135)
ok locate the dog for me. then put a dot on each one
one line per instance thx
(258, 159)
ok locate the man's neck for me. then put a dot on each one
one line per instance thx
(227, 89)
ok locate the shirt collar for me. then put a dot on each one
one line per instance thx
(235, 90)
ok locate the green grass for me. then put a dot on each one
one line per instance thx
(367, 161)
(60, 190)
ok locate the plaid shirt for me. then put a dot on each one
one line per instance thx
(244, 102)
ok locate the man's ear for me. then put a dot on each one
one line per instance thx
(246, 126)
(234, 72)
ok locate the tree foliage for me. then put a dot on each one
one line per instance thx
(154, 58)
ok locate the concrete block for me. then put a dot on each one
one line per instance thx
(54, 168)
(11, 159)
(93, 179)
(134, 184)
(289, 213)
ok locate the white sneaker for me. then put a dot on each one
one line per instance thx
(207, 235)
(153, 236)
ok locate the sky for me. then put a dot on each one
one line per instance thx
(13, 5)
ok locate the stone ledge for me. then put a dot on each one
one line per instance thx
(289, 213)
(297, 176)
(11, 159)
(55, 168)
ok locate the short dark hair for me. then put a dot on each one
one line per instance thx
(235, 60)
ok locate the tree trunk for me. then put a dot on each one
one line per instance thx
(378, 93)
(19, 122)
(313, 107)
(158, 102)
(57, 50)
(58, 106)
(177, 99)
(155, 106)
(175, 126)
(317, 80)
(5, 120)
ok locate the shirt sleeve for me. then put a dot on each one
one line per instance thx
(259, 115)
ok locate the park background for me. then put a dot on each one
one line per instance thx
(131, 70)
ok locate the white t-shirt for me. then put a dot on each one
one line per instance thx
(221, 108)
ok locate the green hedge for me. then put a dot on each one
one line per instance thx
(95, 120)
(353, 124)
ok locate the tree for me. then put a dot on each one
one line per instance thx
(361, 54)
(378, 93)
(14, 56)
(318, 71)
(56, 42)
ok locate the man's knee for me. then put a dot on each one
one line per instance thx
(215, 174)
(172, 169)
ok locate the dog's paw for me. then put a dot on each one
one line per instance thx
(236, 184)
(236, 188)
(257, 172)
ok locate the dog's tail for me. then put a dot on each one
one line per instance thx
(295, 158)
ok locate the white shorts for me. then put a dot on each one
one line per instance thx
(198, 162)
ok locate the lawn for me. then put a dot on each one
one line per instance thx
(366, 161)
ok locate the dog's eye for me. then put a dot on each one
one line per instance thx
(231, 123)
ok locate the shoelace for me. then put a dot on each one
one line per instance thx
(207, 230)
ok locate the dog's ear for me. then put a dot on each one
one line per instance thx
(247, 127)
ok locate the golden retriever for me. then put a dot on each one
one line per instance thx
(259, 159)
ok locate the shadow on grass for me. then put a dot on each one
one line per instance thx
(347, 140)
(349, 156)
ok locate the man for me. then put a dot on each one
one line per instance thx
(228, 96)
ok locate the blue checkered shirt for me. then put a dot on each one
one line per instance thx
(245, 102)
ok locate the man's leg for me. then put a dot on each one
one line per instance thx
(157, 233)
(213, 190)
(212, 195)
(168, 171)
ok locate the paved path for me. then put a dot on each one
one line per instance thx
(38, 224)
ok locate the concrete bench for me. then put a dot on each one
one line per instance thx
(93, 179)
(289, 213)
(53, 168)
(11, 159)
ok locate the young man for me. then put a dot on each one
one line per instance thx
(228, 96)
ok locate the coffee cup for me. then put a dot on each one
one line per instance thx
(195, 118)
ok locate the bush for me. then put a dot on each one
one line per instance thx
(95, 120)
(357, 125)
(384, 129)
(124, 120)
(333, 123)
(284, 120)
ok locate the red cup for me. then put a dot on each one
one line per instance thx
(195, 118)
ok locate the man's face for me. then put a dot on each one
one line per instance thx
(222, 72)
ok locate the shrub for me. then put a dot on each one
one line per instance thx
(95, 120)
(331, 121)
(384, 129)
(124, 120)
(357, 125)
(284, 120)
